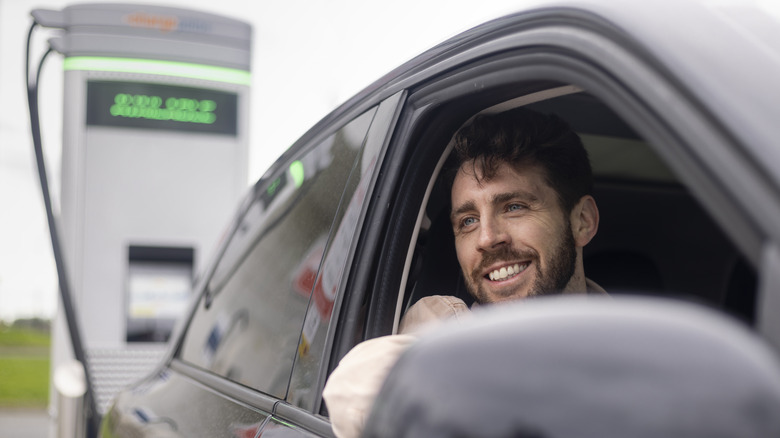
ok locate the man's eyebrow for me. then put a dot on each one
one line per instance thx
(501, 198)
(464, 208)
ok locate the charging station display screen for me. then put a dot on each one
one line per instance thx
(158, 106)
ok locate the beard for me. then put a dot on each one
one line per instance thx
(553, 280)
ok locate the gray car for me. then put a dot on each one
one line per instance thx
(678, 104)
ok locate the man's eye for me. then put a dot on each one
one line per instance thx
(468, 222)
(515, 207)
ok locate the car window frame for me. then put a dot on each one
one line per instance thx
(632, 85)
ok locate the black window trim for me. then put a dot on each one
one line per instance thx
(347, 307)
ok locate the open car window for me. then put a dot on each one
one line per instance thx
(655, 237)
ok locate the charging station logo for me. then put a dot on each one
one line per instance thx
(164, 23)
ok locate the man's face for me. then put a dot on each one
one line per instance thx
(512, 238)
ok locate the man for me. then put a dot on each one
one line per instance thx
(522, 208)
(521, 213)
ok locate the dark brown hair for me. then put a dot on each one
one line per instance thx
(522, 137)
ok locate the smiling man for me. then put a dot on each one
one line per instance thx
(522, 208)
(521, 213)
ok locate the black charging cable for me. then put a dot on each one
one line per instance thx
(92, 415)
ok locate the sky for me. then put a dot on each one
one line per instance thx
(308, 57)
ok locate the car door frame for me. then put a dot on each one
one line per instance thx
(569, 47)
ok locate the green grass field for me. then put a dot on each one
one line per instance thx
(24, 367)
(23, 337)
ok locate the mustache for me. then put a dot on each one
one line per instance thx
(502, 254)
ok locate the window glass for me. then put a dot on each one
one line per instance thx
(303, 386)
(248, 324)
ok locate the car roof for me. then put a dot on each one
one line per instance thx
(723, 53)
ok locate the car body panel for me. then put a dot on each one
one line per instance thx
(170, 404)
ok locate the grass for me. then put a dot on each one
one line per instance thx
(24, 367)
(23, 337)
(24, 381)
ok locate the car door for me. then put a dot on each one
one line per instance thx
(233, 362)
(542, 57)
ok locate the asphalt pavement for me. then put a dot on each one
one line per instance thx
(24, 423)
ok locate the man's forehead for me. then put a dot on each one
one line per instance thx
(469, 187)
(530, 176)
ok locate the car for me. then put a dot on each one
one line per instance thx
(678, 105)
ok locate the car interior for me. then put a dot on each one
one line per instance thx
(654, 237)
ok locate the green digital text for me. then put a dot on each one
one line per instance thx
(178, 109)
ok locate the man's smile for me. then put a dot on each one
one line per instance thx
(507, 272)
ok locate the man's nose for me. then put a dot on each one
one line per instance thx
(491, 234)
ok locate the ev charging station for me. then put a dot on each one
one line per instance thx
(154, 162)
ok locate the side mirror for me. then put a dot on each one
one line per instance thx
(584, 367)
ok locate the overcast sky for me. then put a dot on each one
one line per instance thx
(308, 56)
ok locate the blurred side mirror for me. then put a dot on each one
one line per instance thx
(585, 367)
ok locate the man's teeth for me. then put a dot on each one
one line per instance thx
(506, 272)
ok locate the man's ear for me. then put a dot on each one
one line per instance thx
(584, 220)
